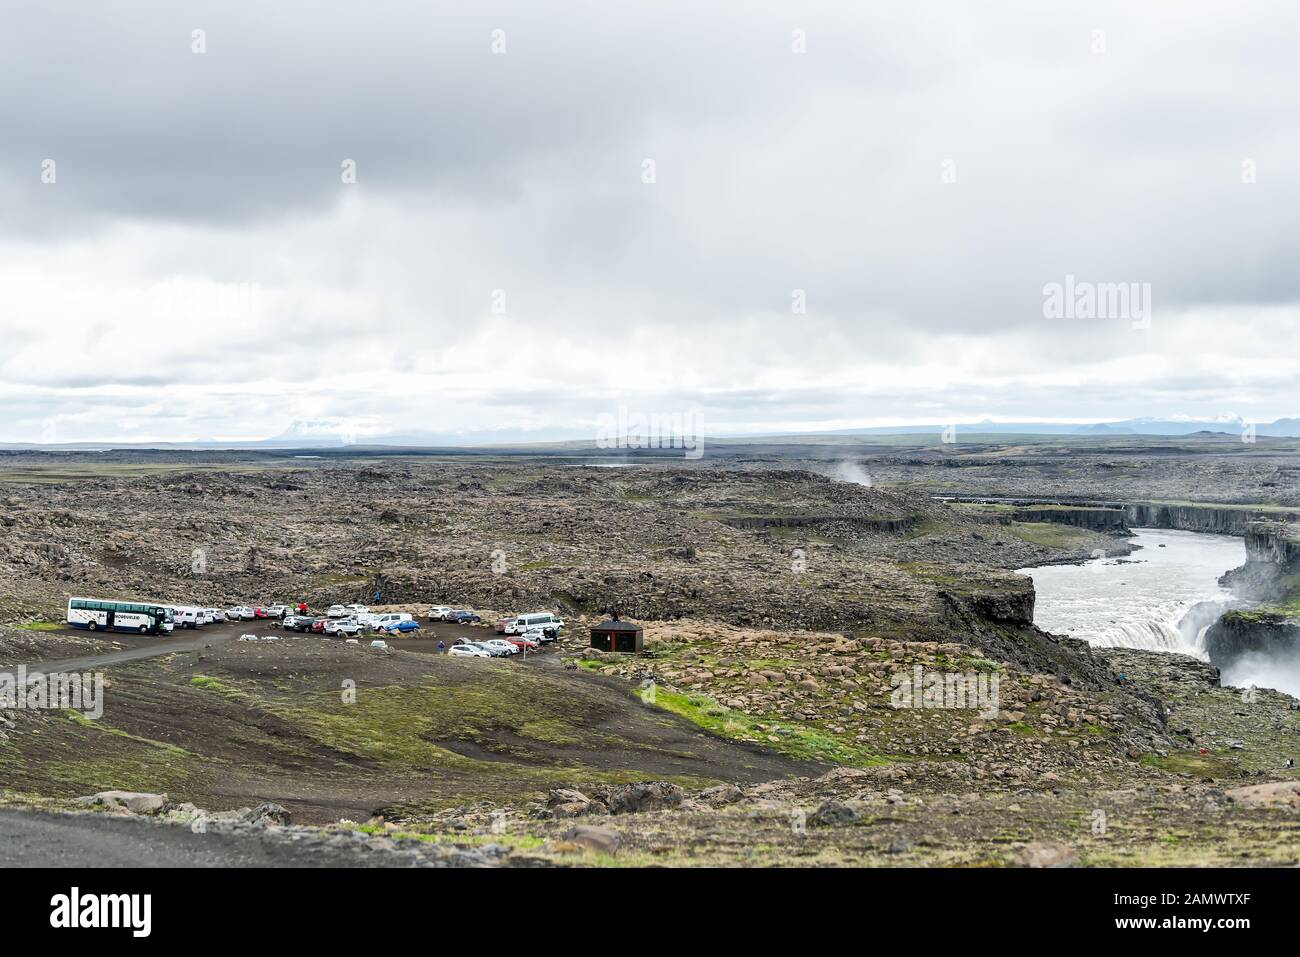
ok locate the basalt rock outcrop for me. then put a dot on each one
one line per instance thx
(1238, 633)
(1273, 543)
(1102, 519)
(1267, 623)
(1221, 520)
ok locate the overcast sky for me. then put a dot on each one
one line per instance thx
(623, 204)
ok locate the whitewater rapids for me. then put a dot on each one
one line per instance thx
(1162, 597)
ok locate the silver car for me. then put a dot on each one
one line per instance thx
(468, 649)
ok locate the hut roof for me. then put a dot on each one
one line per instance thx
(617, 624)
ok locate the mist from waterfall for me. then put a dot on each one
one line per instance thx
(850, 471)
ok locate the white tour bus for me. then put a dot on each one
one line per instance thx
(98, 614)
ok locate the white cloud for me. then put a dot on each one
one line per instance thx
(199, 269)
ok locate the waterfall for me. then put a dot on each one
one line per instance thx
(1162, 598)
(1150, 635)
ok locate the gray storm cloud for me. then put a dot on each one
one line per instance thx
(916, 175)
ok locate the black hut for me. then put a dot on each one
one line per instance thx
(618, 635)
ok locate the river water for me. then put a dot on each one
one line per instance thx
(1145, 600)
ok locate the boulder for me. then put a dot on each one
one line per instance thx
(1045, 854)
(721, 794)
(601, 839)
(1275, 794)
(133, 802)
(570, 802)
(267, 813)
(834, 814)
(650, 796)
(566, 796)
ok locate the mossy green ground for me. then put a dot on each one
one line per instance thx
(1287, 606)
(280, 722)
(1049, 534)
(797, 739)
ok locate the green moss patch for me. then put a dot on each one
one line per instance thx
(1184, 762)
(796, 739)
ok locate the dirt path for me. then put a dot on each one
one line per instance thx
(148, 648)
(38, 839)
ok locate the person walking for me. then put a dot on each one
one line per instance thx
(442, 647)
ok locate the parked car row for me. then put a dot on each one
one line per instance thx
(518, 632)
(542, 627)
(192, 616)
(346, 611)
(456, 616)
(393, 623)
(492, 648)
(251, 612)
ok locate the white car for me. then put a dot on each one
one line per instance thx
(542, 635)
(247, 612)
(499, 647)
(343, 626)
(336, 611)
(439, 612)
(276, 611)
(468, 650)
(379, 643)
(355, 610)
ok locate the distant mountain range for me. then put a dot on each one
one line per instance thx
(327, 436)
(1231, 425)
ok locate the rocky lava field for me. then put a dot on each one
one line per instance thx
(780, 606)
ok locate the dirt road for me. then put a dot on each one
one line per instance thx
(140, 649)
(38, 839)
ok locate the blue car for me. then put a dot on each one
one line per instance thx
(400, 627)
(463, 617)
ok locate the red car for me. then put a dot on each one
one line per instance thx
(527, 644)
(503, 622)
(318, 626)
(260, 613)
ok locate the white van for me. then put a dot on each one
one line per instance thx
(186, 616)
(537, 619)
